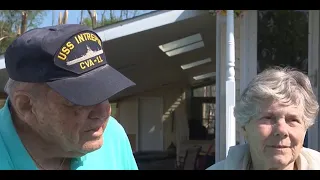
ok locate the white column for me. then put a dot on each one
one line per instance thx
(218, 89)
(230, 82)
(248, 50)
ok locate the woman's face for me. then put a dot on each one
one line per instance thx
(276, 136)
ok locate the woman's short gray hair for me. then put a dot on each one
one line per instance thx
(285, 85)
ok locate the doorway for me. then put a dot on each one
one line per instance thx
(202, 114)
(150, 124)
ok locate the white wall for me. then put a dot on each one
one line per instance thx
(128, 114)
(128, 118)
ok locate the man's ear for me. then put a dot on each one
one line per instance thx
(110, 110)
(22, 103)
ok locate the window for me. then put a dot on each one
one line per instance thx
(208, 110)
(201, 114)
(206, 91)
(114, 108)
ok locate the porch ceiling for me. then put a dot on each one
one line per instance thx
(139, 58)
(137, 55)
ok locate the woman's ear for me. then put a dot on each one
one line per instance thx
(244, 133)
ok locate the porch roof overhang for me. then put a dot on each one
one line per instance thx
(132, 47)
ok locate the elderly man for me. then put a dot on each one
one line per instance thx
(57, 116)
(275, 112)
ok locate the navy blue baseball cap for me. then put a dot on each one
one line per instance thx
(70, 59)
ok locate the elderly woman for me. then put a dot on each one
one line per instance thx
(274, 112)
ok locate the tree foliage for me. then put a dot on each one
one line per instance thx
(237, 13)
(282, 38)
(15, 22)
(107, 17)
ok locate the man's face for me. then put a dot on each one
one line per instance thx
(77, 129)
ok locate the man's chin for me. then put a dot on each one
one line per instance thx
(92, 145)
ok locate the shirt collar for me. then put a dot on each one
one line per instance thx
(19, 156)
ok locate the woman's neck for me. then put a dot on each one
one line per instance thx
(258, 164)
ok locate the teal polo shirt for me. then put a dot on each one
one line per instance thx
(115, 154)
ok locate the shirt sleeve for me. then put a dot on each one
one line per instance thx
(129, 159)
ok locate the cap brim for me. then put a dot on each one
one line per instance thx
(93, 87)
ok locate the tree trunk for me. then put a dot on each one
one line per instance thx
(24, 16)
(53, 17)
(93, 16)
(103, 17)
(81, 17)
(2, 38)
(60, 18)
(65, 17)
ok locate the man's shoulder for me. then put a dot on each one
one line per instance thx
(115, 136)
(116, 151)
(5, 162)
(114, 128)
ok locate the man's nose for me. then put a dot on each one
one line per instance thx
(100, 111)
